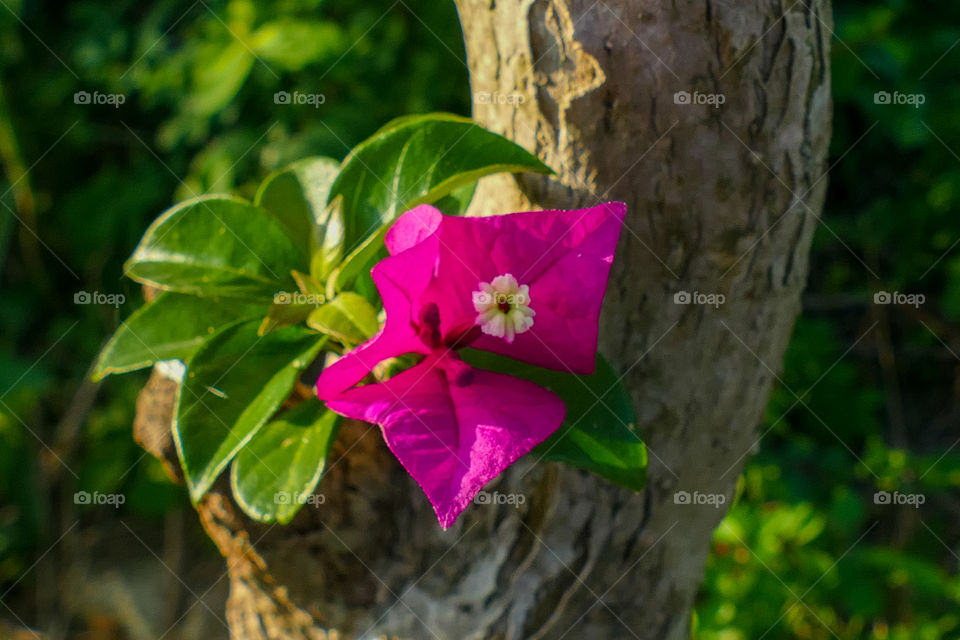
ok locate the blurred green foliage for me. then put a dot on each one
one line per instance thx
(869, 393)
(198, 115)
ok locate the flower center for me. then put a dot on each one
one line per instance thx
(503, 307)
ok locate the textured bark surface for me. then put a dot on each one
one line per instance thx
(721, 200)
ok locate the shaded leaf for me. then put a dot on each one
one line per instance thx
(457, 202)
(284, 315)
(297, 196)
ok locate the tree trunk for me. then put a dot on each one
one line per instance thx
(723, 199)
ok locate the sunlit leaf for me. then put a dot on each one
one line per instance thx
(217, 246)
(349, 318)
(171, 327)
(234, 384)
(277, 471)
(419, 159)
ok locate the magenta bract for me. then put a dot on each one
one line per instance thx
(524, 285)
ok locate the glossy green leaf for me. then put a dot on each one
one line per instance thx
(217, 246)
(349, 318)
(297, 196)
(418, 159)
(234, 384)
(173, 326)
(354, 271)
(278, 470)
(599, 430)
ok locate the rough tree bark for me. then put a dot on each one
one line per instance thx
(721, 200)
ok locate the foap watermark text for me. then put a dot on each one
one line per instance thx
(97, 98)
(299, 98)
(485, 97)
(87, 498)
(897, 297)
(295, 497)
(896, 498)
(712, 99)
(514, 499)
(714, 500)
(98, 297)
(697, 297)
(912, 99)
(297, 297)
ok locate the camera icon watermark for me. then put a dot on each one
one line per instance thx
(712, 99)
(896, 98)
(709, 299)
(299, 98)
(715, 500)
(96, 98)
(896, 498)
(914, 300)
(96, 297)
(513, 499)
(97, 498)
(295, 497)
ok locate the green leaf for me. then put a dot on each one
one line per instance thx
(354, 270)
(217, 246)
(599, 430)
(283, 315)
(295, 43)
(358, 262)
(277, 471)
(349, 318)
(457, 202)
(297, 196)
(215, 83)
(173, 326)
(234, 384)
(419, 159)
(328, 250)
(307, 284)
(293, 307)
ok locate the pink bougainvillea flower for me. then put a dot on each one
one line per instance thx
(524, 285)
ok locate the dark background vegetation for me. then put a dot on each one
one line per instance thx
(868, 399)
